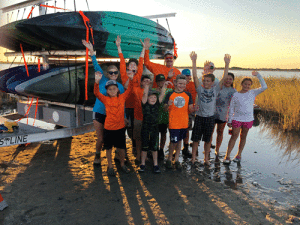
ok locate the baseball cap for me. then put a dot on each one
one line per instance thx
(160, 77)
(111, 82)
(168, 53)
(153, 92)
(145, 77)
(186, 72)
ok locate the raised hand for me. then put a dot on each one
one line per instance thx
(167, 83)
(193, 56)
(98, 76)
(254, 73)
(227, 58)
(171, 73)
(146, 44)
(130, 74)
(89, 46)
(118, 41)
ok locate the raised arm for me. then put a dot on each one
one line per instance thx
(98, 77)
(193, 56)
(89, 46)
(152, 67)
(163, 91)
(145, 94)
(262, 83)
(227, 59)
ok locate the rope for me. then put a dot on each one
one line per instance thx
(30, 12)
(75, 5)
(88, 26)
(24, 60)
(53, 7)
(12, 62)
(26, 114)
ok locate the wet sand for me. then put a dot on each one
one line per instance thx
(55, 182)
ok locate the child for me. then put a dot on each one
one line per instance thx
(179, 103)
(205, 120)
(163, 115)
(190, 87)
(99, 113)
(241, 115)
(150, 133)
(114, 127)
(138, 115)
(222, 107)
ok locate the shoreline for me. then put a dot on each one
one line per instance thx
(56, 182)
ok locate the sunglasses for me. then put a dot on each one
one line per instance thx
(169, 57)
(113, 72)
(211, 67)
(132, 71)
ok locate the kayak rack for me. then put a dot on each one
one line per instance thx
(53, 121)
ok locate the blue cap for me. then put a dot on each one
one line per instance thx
(186, 72)
(111, 82)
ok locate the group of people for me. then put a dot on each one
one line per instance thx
(171, 101)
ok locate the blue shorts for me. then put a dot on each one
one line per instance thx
(177, 135)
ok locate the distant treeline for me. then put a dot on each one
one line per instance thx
(240, 68)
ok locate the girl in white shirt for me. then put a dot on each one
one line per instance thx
(240, 116)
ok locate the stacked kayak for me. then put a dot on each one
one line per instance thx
(58, 84)
(64, 31)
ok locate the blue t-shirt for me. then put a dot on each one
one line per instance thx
(99, 106)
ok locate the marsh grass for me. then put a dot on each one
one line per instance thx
(282, 97)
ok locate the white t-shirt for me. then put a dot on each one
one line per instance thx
(241, 105)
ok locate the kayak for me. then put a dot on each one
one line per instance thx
(65, 31)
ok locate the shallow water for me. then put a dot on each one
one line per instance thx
(269, 168)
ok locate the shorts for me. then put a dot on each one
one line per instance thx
(191, 119)
(237, 124)
(114, 138)
(137, 127)
(162, 128)
(150, 136)
(219, 121)
(203, 128)
(177, 135)
(99, 117)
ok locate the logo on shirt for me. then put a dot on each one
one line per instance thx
(207, 96)
(179, 102)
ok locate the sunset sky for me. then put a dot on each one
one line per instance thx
(257, 33)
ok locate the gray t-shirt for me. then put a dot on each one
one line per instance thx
(207, 100)
(223, 102)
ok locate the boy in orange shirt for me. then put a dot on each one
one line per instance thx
(114, 127)
(179, 103)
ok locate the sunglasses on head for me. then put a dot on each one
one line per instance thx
(113, 72)
(132, 71)
(169, 57)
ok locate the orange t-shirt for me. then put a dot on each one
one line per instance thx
(190, 87)
(156, 69)
(115, 108)
(138, 95)
(130, 102)
(179, 110)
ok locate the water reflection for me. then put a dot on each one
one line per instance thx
(288, 141)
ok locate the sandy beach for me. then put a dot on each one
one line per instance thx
(55, 182)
